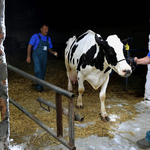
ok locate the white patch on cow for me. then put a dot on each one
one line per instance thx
(70, 41)
(94, 76)
(97, 50)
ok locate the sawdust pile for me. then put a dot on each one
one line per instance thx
(22, 90)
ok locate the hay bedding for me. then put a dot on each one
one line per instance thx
(23, 91)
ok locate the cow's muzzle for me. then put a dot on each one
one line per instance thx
(127, 72)
(132, 63)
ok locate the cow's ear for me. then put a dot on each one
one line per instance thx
(103, 44)
(128, 40)
(100, 41)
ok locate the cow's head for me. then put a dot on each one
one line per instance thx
(113, 51)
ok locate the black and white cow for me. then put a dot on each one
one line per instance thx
(90, 58)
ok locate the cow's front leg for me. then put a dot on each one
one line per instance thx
(80, 90)
(103, 113)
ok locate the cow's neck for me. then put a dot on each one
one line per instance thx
(100, 60)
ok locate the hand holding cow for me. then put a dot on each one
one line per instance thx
(142, 61)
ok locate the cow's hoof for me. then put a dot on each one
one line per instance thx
(79, 106)
(104, 118)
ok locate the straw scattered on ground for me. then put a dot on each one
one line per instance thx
(22, 90)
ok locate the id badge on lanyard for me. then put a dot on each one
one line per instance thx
(45, 48)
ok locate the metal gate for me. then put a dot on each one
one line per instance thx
(59, 110)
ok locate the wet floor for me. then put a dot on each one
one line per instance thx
(125, 137)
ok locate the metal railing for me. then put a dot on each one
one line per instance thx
(59, 110)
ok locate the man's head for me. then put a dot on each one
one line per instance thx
(44, 29)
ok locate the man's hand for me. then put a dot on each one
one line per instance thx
(135, 59)
(29, 54)
(28, 59)
(142, 61)
(56, 54)
(52, 52)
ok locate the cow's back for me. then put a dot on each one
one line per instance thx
(76, 47)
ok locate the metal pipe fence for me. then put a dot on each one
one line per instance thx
(65, 111)
(59, 92)
(42, 82)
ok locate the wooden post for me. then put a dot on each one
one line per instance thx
(59, 115)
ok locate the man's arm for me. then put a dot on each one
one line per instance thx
(52, 52)
(142, 61)
(29, 53)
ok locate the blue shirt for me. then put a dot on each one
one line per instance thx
(148, 54)
(35, 40)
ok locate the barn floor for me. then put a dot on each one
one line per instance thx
(127, 111)
(124, 138)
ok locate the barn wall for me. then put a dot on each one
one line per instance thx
(17, 41)
(4, 102)
(139, 34)
(23, 19)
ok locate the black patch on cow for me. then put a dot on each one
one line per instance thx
(81, 61)
(99, 61)
(90, 56)
(81, 37)
(108, 68)
(72, 44)
(68, 56)
(73, 61)
(109, 54)
(72, 51)
(77, 61)
(66, 52)
(88, 59)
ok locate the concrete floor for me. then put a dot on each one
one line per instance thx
(121, 141)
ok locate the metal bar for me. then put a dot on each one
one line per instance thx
(71, 122)
(59, 114)
(48, 109)
(45, 127)
(77, 117)
(42, 82)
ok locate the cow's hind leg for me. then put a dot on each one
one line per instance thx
(68, 70)
(80, 90)
(69, 83)
(103, 113)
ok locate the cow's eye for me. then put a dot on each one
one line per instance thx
(111, 51)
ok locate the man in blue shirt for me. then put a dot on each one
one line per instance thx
(41, 44)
